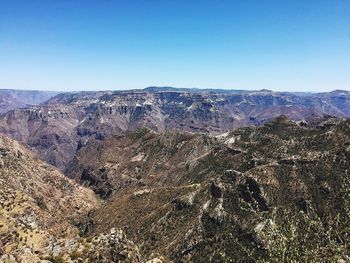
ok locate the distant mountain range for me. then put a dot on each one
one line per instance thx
(11, 99)
(60, 126)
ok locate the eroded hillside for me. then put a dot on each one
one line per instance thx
(37, 203)
(39, 213)
(276, 193)
(177, 181)
(64, 124)
(138, 159)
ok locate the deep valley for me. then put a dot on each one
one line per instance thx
(176, 175)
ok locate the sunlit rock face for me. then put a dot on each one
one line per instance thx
(59, 127)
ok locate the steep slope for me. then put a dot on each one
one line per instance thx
(66, 122)
(138, 159)
(274, 193)
(37, 202)
(11, 99)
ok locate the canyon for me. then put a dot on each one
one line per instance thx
(59, 127)
(176, 175)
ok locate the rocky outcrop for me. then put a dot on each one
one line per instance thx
(111, 247)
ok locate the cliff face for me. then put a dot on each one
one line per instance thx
(270, 193)
(66, 122)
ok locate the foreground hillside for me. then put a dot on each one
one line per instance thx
(38, 206)
(276, 193)
(62, 125)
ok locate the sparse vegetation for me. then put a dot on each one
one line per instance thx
(276, 193)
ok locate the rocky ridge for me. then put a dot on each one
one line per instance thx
(273, 193)
(64, 124)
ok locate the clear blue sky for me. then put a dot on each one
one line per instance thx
(85, 45)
